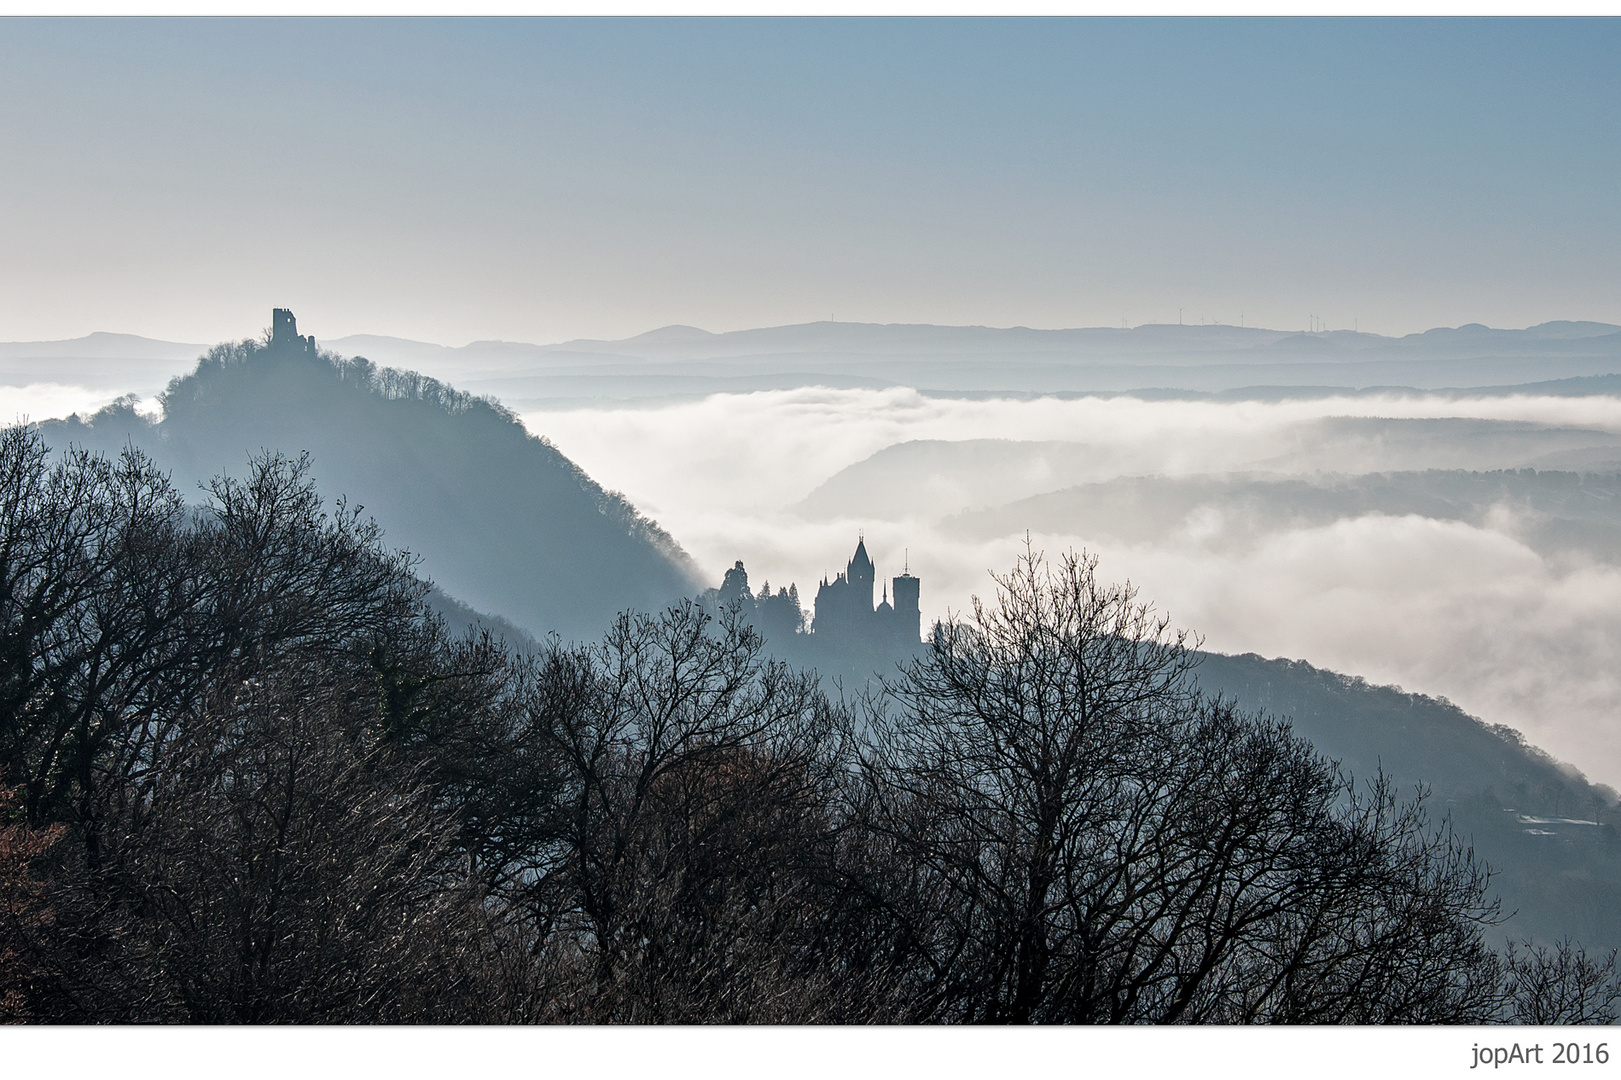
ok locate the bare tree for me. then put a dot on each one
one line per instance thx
(1063, 830)
(675, 874)
(214, 706)
(1562, 985)
(257, 782)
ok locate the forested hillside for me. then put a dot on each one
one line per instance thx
(1548, 834)
(248, 776)
(501, 520)
(202, 653)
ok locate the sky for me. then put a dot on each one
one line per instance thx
(540, 180)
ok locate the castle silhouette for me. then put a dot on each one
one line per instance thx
(844, 605)
(845, 620)
(284, 332)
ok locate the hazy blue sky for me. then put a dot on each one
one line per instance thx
(538, 180)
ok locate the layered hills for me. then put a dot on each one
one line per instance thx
(500, 519)
(928, 478)
(1553, 512)
(684, 360)
(981, 359)
(506, 525)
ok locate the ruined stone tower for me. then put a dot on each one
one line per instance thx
(284, 332)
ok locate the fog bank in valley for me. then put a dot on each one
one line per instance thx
(1360, 530)
(1253, 522)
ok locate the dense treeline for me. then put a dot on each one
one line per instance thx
(249, 777)
(1549, 834)
(458, 479)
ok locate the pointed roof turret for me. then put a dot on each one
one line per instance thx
(861, 553)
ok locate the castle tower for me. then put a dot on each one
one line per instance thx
(844, 606)
(283, 327)
(284, 332)
(908, 615)
(860, 574)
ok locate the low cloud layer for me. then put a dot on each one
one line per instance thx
(1462, 609)
(1469, 609)
(49, 401)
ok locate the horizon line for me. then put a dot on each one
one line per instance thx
(1196, 327)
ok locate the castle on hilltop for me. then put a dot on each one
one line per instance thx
(845, 620)
(844, 605)
(284, 332)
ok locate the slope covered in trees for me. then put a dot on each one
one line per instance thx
(1548, 834)
(249, 777)
(501, 520)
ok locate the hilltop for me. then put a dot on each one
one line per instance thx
(506, 525)
(501, 520)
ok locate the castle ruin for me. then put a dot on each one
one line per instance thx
(284, 332)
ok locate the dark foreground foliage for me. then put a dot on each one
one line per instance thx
(248, 777)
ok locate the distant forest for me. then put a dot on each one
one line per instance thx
(250, 776)
(505, 522)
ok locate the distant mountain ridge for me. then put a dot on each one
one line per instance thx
(678, 340)
(679, 360)
(685, 342)
(102, 346)
(1210, 357)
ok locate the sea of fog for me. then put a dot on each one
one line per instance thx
(1465, 610)
(37, 401)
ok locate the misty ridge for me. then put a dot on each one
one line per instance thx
(919, 478)
(511, 640)
(1484, 603)
(1553, 511)
(1156, 359)
(1556, 514)
(507, 524)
